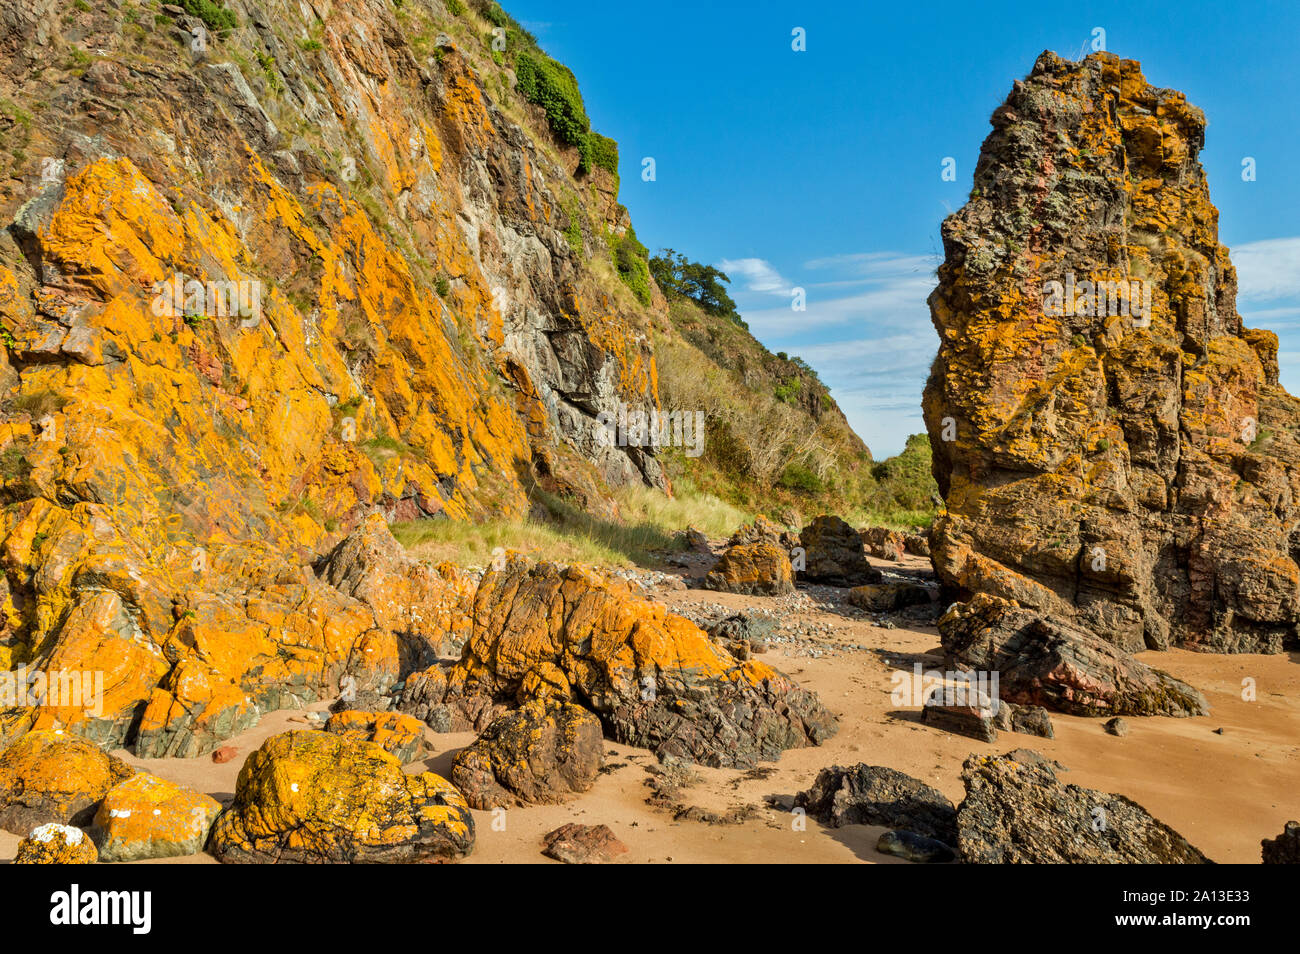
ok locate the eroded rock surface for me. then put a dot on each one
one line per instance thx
(315, 797)
(654, 678)
(1018, 811)
(245, 309)
(541, 753)
(1059, 666)
(1134, 473)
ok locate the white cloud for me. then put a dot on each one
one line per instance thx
(758, 274)
(879, 264)
(866, 330)
(890, 303)
(1268, 269)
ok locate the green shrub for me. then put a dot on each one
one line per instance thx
(455, 8)
(598, 152)
(573, 233)
(217, 18)
(553, 86)
(14, 464)
(787, 391)
(442, 286)
(799, 477)
(631, 258)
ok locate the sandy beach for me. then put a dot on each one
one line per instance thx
(1222, 791)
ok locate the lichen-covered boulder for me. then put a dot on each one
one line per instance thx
(397, 733)
(543, 752)
(54, 844)
(1113, 445)
(755, 569)
(428, 606)
(655, 679)
(316, 797)
(1050, 663)
(1017, 811)
(48, 776)
(150, 817)
(763, 530)
(833, 554)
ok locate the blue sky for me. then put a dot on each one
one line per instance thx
(822, 169)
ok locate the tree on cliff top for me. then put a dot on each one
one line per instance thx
(702, 284)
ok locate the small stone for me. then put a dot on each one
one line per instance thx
(914, 847)
(1117, 726)
(224, 754)
(583, 845)
(962, 711)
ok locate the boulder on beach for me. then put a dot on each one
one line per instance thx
(833, 554)
(878, 795)
(316, 797)
(150, 817)
(1018, 811)
(752, 569)
(655, 679)
(54, 844)
(48, 776)
(543, 752)
(1049, 662)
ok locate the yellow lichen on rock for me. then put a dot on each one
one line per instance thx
(53, 844)
(150, 817)
(318, 797)
(50, 776)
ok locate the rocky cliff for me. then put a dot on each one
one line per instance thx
(268, 270)
(1112, 443)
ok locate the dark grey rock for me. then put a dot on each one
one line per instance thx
(914, 847)
(877, 795)
(833, 554)
(1285, 848)
(1017, 810)
(963, 711)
